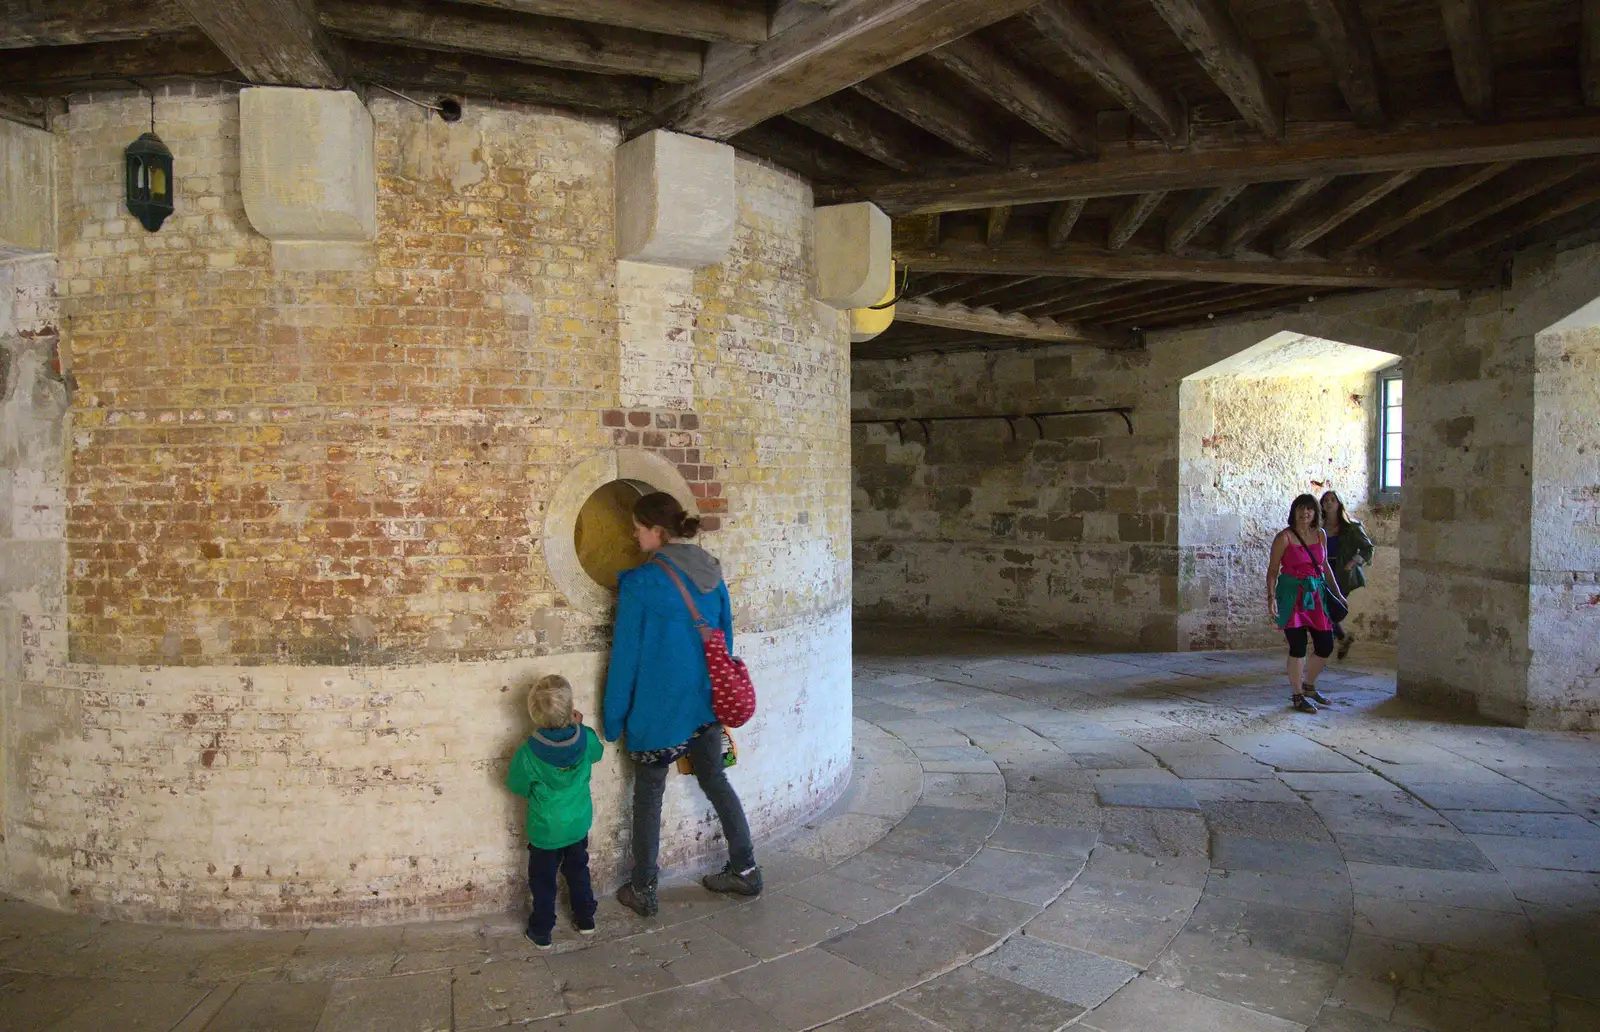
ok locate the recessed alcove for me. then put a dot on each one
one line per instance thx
(588, 527)
(603, 531)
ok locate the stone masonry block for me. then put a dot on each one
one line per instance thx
(675, 200)
(853, 265)
(306, 165)
(27, 190)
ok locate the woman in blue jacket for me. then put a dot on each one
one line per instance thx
(658, 694)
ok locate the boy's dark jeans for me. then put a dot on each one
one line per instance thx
(650, 783)
(573, 862)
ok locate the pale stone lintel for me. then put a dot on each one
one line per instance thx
(27, 191)
(306, 165)
(853, 264)
(675, 200)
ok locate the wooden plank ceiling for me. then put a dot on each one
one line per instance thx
(1059, 171)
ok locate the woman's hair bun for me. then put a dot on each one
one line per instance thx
(659, 509)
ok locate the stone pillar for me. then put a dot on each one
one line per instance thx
(306, 172)
(1499, 602)
(27, 191)
(1564, 550)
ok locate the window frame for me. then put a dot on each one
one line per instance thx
(1382, 491)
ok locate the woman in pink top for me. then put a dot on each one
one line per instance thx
(1297, 576)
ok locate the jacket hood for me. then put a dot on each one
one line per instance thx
(701, 567)
(559, 746)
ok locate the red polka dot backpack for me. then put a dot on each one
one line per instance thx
(733, 696)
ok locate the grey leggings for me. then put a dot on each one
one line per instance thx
(650, 783)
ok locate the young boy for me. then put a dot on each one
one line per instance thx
(551, 770)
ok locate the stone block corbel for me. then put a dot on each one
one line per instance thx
(308, 175)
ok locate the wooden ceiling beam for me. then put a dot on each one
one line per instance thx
(1063, 218)
(1043, 287)
(1029, 259)
(986, 297)
(928, 284)
(1338, 209)
(974, 287)
(1113, 308)
(57, 23)
(996, 77)
(1262, 298)
(1346, 44)
(1064, 296)
(770, 141)
(848, 120)
(994, 229)
(980, 320)
(550, 42)
(1198, 213)
(404, 68)
(1271, 204)
(1511, 189)
(1100, 292)
(1071, 28)
(1471, 55)
(1200, 299)
(1347, 153)
(901, 93)
(1589, 52)
(54, 70)
(1132, 218)
(1523, 218)
(1429, 194)
(715, 21)
(272, 42)
(1207, 28)
(819, 55)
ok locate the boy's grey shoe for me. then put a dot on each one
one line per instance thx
(641, 901)
(738, 883)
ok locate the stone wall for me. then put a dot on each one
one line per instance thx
(1491, 506)
(1248, 446)
(306, 587)
(1073, 534)
(1564, 601)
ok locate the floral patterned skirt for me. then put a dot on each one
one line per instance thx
(659, 757)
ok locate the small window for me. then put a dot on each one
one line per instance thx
(1390, 398)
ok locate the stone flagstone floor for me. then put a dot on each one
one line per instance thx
(1032, 840)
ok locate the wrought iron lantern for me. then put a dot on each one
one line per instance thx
(149, 180)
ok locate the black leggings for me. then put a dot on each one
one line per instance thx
(1322, 641)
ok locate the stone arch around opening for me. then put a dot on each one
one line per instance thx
(643, 471)
(1291, 414)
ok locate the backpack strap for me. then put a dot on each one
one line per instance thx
(699, 621)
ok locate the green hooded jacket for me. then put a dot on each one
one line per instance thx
(559, 808)
(1353, 541)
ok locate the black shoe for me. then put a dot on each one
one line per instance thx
(737, 883)
(1303, 704)
(1344, 646)
(641, 901)
(1314, 695)
(584, 925)
(540, 942)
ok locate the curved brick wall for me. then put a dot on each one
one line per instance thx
(304, 584)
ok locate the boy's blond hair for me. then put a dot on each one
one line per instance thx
(550, 701)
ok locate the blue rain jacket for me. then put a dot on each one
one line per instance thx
(658, 691)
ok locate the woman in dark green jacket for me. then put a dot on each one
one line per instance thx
(1349, 549)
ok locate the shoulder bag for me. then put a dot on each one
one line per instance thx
(733, 695)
